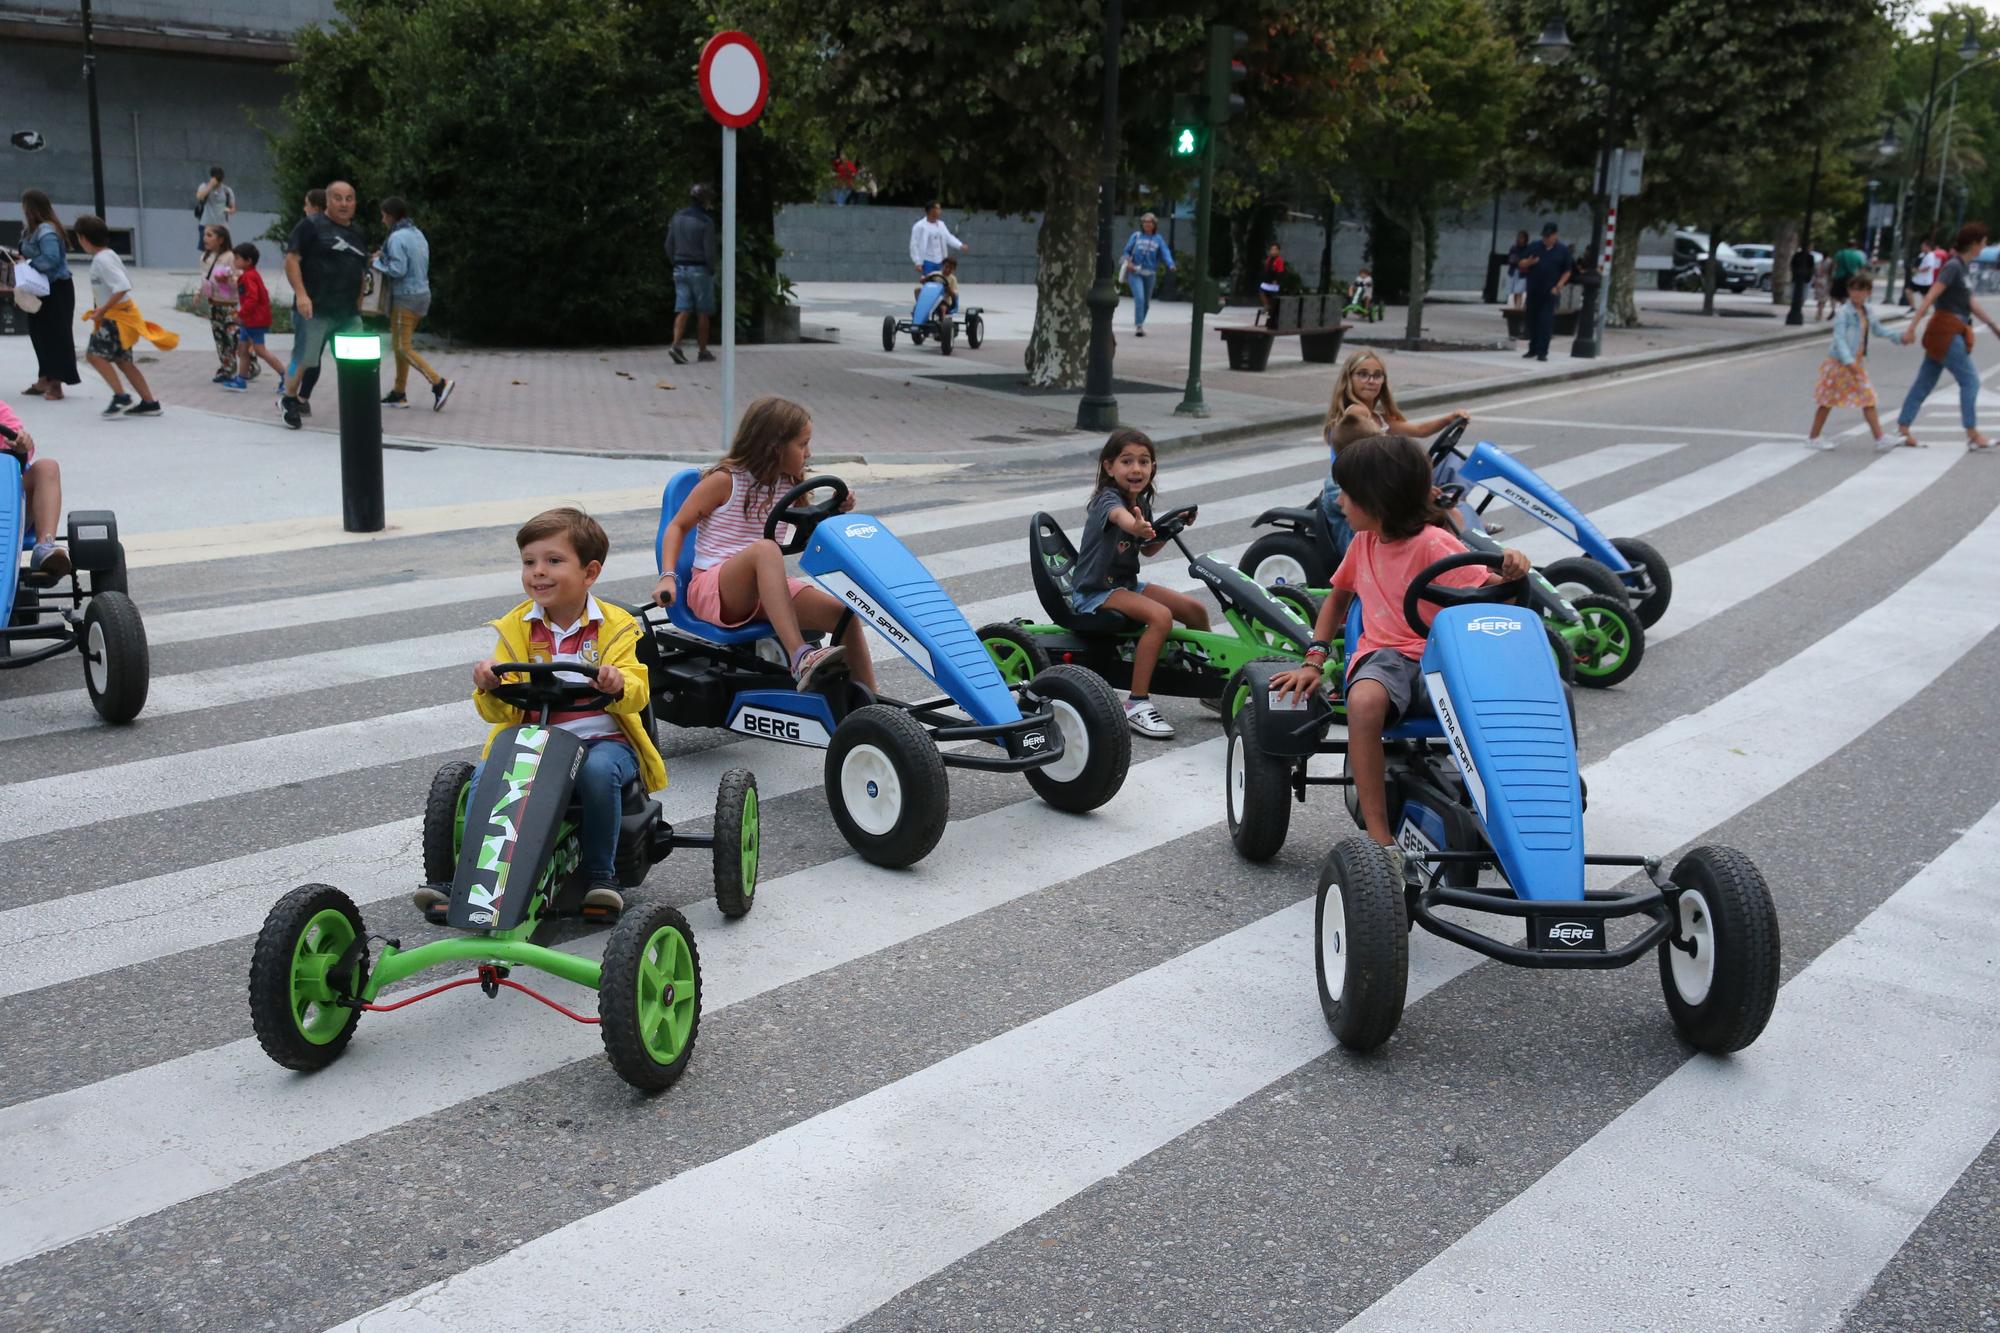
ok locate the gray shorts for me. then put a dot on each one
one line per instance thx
(1401, 677)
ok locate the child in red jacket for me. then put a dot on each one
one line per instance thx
(253, 317)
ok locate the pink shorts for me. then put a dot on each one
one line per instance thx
(704, 598)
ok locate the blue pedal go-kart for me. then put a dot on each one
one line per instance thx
(931, 317)
(1064, 731)
(1622, 567)
(1491, 784)
(87, 610)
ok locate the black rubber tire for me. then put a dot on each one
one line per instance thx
(115, 579)
(271, 1013)
(127, 663)
(1376, 935)
(1105, 731)
(1565, 659)
(919, 771)
(1625, 621)
(1636, 552)
(888, 333)
(975, 331)
(944, 336)
(736, 883)
(1744, 987)
(440, 838)
(1300, 548)
(1582, 570)
(1298, 599)
(1260, 808)
(1006, 632)
(917, 337)
(618, 998)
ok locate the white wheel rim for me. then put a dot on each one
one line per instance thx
(1236, 776)
(97, 662)
(1280, 569)
(1076, 743)
(1694, 975)
(870, 790)
(1333, 942)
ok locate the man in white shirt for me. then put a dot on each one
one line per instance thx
(929, 239)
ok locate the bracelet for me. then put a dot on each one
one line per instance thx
(1322, 647)
(1316, 660)
(671, 575)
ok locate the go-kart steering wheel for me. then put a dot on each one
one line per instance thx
(806, 518)
(1170, 524)
(1424, 588)
(545, 687)
(1446, 444)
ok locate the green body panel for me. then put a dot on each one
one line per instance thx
(1225, 652)
(395, 965)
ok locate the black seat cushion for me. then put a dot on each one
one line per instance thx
(1052, 564)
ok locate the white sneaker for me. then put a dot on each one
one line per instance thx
(1146, 720)
(1884, 443)
(1822, 444)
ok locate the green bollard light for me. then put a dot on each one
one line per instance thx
(358, 363)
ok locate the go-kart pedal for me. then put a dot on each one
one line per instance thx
(434, 902)
(602, 903)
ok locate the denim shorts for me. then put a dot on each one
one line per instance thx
(250, 335)
(1083, 603)
(694, 289)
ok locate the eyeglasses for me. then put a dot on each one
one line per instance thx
(1371, 374)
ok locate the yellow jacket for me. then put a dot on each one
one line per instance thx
(132, 326)
(617, 644)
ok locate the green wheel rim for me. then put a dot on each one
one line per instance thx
(1012, 659)
(1603, 644)
(749, 848)
(320, 945)
(666, 967)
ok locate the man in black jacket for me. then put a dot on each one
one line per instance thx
(691, 250)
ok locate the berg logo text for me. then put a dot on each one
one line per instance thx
(1571, 933)
(861, 529)
(1497, 626)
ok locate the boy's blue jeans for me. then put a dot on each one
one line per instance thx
(1959, 362)
(1142, 295)
(600, 783)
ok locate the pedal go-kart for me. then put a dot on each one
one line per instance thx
(508, 851)
(1622, 567)
(1193, 663)
(885, 766)
(1490, 783)
(930, 317)
(93, 616)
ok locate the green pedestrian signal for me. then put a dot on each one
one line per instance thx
(1186, 142)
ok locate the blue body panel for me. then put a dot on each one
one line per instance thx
(1494, 685)
(1500, 472)
(928, 295)
(783, 715)
(13, 527)
(862, 564)
(1410, 728)
(678, 615)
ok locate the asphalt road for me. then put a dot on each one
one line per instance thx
(1068, 1072)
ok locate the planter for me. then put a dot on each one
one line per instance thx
(779, 324)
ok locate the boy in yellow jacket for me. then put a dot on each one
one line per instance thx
(562, 553)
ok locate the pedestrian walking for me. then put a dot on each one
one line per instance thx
(1948, 339)
(1843, 375)
(313, 205)
(1847, 261)
(1548, 268)
(1822, 286)
(1145, 251)
(116, 324)
(1272, 280)
(325, 261)
(931, 241)
(214, 205)
(253, 313)
(51, 326)
(405, 257)
(1930, 258)
(218, 289)
(1517, 280)
(1802, 276)
(691, 249)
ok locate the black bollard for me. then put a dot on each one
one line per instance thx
(357, 359)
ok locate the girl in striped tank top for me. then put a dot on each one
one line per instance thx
(738, 576)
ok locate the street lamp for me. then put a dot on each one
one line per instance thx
(1553, 46)
(1968, 52)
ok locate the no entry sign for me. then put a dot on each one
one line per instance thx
(734, 79)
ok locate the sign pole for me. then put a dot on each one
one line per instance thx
(1610, 243)
(728, 284)
(734, 82)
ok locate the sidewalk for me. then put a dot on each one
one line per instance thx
(914, 405)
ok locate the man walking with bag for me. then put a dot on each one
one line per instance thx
(691, 249)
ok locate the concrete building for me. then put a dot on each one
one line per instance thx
(182, 86)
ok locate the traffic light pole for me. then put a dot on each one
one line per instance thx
(1192, 403)
(1099, 408)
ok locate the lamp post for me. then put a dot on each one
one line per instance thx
(1553, 47)
(1968, 53)
(90, 95)
(1099, 408)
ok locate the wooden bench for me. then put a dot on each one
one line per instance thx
(1313, 320)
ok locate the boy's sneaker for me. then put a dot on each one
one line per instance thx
(680, 357)
(236, 384)
(441, 394)
(1145, 719)
(119, 402)
(434, 903)
(147, 408)
(222, 377)
(49, 559)
(291, 406)
(394, 399)
(706, 356)
(818, 662)
(1821, 443)
(305, 406)
(603, 902)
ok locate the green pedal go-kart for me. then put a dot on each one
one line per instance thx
(508, 848)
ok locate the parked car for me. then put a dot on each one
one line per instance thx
(1691, 248)
(1759, 258)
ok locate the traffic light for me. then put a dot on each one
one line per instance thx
(1225, 72)
(1188, 133)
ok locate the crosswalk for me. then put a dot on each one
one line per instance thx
(1068, 1070)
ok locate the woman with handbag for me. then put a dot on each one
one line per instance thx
(1948, 339)
(51, 323)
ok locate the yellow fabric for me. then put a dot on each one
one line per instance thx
(618, 645)
(132, 326)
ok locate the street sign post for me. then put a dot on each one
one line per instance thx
(734, 85)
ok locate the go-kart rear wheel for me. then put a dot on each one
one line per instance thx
(1299, 604)
(944, 334)
(1285, 557)
(444, 821)
(737, 843)
(1721, 994)
(1612, 643)
(294, 990)
(1296, 599)
(649, 997)
(888, 333)
(1257, 789)
(1361, 944)
(975, 331)
(1014, 651)
(1580, 576)
(886, 786)
(1236, 691)
(116, 664)
(1097, 743)
(1565, 659)
(1637, 553)
(917, 336)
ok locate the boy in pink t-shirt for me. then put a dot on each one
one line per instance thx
(1386, 494)
(42, 482)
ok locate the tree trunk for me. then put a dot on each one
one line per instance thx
(1065, 264)
(1781, 264)
(1624, 311)
(1413, 326)
(1328, 221)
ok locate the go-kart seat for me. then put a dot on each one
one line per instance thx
(1424, 726)
(678, 615)
(1052, 564)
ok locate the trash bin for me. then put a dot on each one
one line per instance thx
(1587, 339)
(1496, 265)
